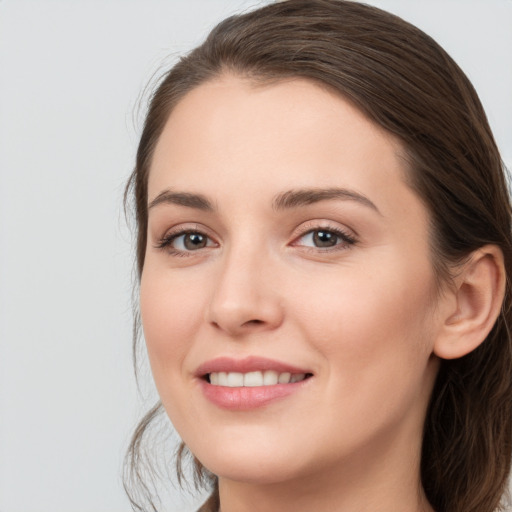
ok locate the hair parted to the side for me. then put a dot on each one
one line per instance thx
(406, 83)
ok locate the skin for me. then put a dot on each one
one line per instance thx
(362, 316)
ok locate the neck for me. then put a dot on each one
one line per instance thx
(308, 495)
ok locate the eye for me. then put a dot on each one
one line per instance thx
(320, 238)
(185, 241)
(325, 238)
(190, 241)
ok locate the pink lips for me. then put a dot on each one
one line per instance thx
(246, 398)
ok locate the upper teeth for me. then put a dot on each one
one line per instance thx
(252, 379)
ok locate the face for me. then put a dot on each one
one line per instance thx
(287, 291)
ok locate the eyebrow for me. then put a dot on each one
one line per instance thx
(303, 197)
(284, 201)
(197, 201)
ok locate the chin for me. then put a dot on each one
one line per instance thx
(260, 459)
(263, 471)
(247, 456)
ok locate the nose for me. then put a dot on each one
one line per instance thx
(245, 298)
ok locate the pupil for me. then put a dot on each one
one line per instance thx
(195, 241)
(324, 239)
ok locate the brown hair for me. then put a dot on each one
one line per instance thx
(406, 83)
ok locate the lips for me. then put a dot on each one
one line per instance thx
(244, 384)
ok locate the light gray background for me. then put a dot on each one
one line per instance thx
(70, 77)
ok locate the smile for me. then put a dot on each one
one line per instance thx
(250, 383)
(254, 379)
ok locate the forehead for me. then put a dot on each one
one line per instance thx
(229, 134)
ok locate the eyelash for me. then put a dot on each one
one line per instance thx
(165, 243)
(346, 240)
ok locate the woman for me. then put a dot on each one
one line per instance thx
(324, 246)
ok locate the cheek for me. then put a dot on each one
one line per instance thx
(170, 314)
(374, 336)
(373, 324)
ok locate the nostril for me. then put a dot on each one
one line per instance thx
(253, 322)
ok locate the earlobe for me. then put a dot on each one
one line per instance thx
(478, 292)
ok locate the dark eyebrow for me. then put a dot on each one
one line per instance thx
(197, 201)
(303, 197)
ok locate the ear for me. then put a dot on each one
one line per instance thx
(472, 306)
